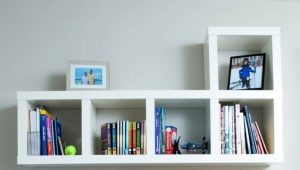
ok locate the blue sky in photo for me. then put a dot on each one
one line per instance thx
(97, 72)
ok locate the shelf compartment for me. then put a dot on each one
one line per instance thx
(190, 117)
(68, 113)
(262, 111)
(112, 110)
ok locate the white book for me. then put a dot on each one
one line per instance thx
(226, 130)
(121, 137)
(242, 134)
(238, 130)
(33, 120)
(230, 128)
(145, 138)
(223, 130)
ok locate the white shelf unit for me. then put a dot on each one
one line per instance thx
(194, 112)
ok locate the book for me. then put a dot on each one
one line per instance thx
(250, 131)
(171, 136)
(242, 134)
(222, 129)
(162, 129)
(233, 131)
(61, 147)
(43, 134)
(114, 138)
(124, 137)
(130, 138)
(138, 138)
(261, 138)
(230, 128)
(34, 133)
(142, 137)
(127, 137)
(105, 139)
(145, 138)
(118, 137)
(238, 130)
(134, 138)
(259, 143)
(157, 130)
(59, 133)
(49, 135)
(52, 137)
(248, 148)
(226, 110)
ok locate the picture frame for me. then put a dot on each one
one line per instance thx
(246, 72)
(87, 75)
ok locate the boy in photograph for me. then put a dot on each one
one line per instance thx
(245, 73)
(84, 79)
(91, 78)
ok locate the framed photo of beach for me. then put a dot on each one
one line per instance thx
(88, 75)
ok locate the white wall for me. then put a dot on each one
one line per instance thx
(150, 44)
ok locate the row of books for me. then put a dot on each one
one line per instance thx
(165, 136)
(44, 133)
(239, 134)
(124, 138)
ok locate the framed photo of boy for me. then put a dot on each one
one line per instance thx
(88, 75)
(246, 72)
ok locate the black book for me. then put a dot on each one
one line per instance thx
(250, 130)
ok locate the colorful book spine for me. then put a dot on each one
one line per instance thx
(250, 131)
(248, 148)
(127, 137)
(118, 137)
(222, 130)
(130, 138)
(138, 138)
(230, 124)
(162, 129)
(261, 139)
(171, 136)
(226, 110)
(142, 137)
(134, 138)
(114, 138)
(243, 140)
(238, 129)
(157, 130)
(145, 138)
(124, 137)
(49, 135)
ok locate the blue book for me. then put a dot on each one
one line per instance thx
(58, 134)
(157, 130)
(114, 138)
(162, 128)
(56, 145)
(250, 130)
(43, 134)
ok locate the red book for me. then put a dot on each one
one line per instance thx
(49, 135)
(170, 137)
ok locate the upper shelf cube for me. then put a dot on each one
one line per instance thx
(225, 42)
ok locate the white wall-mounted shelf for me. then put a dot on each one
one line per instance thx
(196, 112)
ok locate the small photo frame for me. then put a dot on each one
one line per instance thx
(246, 72)
(88, 75)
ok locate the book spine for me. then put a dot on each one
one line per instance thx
(118, 137)
(258, 144)
(157, 130)
(243, 140)
(142, 137)
(104, 143)
(247, 136)
(53, 139)
(130, 138)
(49, 136)
(261, 139)
(138, 138)
(233, 132)
(226, 110)
(127, 137)
(162, 129)
(59, 135)
(109, 139)
(134, 138)
(43, 135)
(230, 124)
(145, 138)
(124, 136)
(250, 131)
(114, 138)
(222, 130)
(238, 129)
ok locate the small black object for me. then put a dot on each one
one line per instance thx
(193, 147)
(176, 146)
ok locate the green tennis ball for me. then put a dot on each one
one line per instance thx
(70, 150)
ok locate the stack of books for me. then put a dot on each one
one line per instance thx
(44, 133)
(124, 138)
(165, 136)
(239, 134)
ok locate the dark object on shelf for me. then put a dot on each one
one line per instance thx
(193, 147)
(176, 146)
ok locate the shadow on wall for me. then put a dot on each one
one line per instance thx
(56, 82)
(193, 67)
